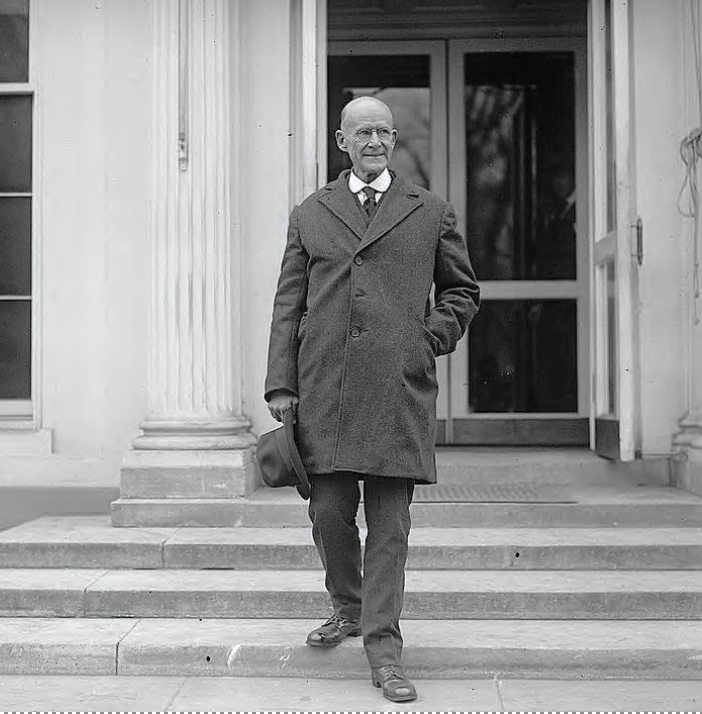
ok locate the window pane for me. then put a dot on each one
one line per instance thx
(15, 144)
(15, 246)
(15, 349)
(402, 82)
(14, 40)
(523, 357)
(520, 165)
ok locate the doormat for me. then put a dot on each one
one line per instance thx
(493, 493)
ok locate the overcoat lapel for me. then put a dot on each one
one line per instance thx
(401, 200)
(344, 205)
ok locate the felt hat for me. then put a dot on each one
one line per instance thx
(279, 459)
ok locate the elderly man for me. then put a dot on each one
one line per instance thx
(353, 344)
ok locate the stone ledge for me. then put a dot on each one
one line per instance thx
(61, 646)
(432, 650)
(92, 542)
(275, 648)
(81, 542)
(289, 510)
(178, 477)
(448, 594)
(26, 442)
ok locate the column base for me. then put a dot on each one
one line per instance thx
(687, 463)
(181, 476)
(194, 435)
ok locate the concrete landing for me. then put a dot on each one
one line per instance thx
(275, 648)
(189, 694)
(565, 466)
(596, 506)
(603, 494)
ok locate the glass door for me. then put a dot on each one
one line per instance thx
(410, 77)
(615, 273)
(521, 376)
(500, 129)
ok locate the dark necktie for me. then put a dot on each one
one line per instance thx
(370, 204)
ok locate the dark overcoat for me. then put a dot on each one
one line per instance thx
(354, 334)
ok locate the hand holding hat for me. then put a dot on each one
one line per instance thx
(279, 459)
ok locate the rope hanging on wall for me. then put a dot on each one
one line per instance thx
(691, 153)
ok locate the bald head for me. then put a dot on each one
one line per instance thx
(360, 106)
(367, 135)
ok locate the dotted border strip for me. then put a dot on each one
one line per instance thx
(364, 711)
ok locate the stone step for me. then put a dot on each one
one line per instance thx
(91, 542)
(434, 649)
(579, 467)
(659, 507)
(447, 594)
(454, 465)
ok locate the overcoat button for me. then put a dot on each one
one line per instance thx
(358, 260)
(355, 332)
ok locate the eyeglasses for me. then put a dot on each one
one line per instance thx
(365, 135)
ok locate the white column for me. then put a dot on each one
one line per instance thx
(195, 441)
(194, 362)
(687, 443)
(687, 471)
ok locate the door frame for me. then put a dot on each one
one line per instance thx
(578, 289)
(445, 73)
(614, 413)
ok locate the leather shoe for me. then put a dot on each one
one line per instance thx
(396, 687)
(335, 629)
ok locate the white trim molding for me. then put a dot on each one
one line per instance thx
(308, 80)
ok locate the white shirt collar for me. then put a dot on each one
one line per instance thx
(380, 183)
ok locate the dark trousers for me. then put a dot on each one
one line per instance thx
(375, 597)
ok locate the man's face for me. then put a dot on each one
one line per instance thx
(368, 137)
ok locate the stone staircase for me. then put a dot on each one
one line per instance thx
(606, 582)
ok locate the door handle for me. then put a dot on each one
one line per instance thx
(639, 241)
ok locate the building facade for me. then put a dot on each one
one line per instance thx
(151, 151)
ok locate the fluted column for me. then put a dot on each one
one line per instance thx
(687, 471)
(687, 443)
(194, 399)
(195, 442)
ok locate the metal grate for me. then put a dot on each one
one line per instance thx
(493, 493)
